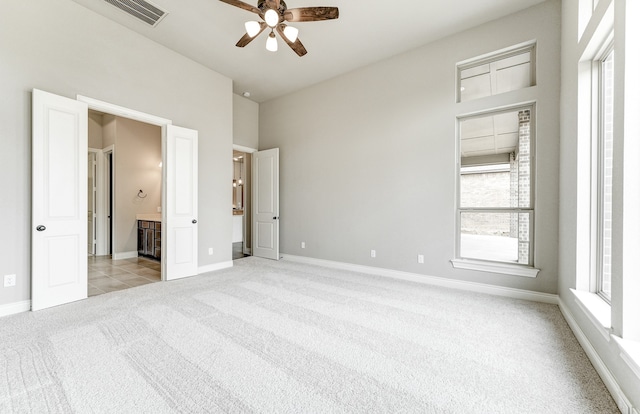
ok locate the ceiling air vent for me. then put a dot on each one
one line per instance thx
(141, 10)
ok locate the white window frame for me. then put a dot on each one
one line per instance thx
(494, 58)
(511, 269)
(517, 269)
(598, 171)
(619, 320)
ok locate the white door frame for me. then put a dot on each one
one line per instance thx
(102, 200)
(245, 248)
(105, 223)
(123, 112)
(97, 206)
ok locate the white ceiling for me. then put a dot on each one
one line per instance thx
(366, 32)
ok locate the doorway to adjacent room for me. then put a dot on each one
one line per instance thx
(241, 208)
(128, 153)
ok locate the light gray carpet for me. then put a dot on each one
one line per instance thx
(284, 337)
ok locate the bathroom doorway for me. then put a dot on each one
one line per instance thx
(241, 199)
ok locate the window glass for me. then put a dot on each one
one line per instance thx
(497, 236)
(513, 78)
(487, 185)
(605, 193)
(495, 187)
(502, 73)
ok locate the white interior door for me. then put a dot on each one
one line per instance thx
(266, 204)
(59, 201)
(180, 232)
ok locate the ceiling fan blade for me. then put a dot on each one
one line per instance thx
(242, 5)
(246, 39)
(297, 46)
(311, 14)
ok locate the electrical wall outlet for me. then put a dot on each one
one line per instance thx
(303, 245)
(210, 250)
(373, 253)
(159, 209)
(421, 258)
(9, 280)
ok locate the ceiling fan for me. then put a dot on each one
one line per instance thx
(274, 14)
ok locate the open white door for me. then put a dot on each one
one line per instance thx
(59, 201)
(180, 198)
(266, 204)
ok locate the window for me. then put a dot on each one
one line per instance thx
(499, 73)
(608, 176)
(604, 150)
(496, 152)
(496, 187)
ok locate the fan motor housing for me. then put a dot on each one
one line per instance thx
(263, 6)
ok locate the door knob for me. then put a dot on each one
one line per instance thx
(41, 228)
(194, 221)
(276, 218)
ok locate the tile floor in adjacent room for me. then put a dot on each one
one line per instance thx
(237, 252)
(107, 275)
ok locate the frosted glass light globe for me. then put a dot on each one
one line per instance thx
(291, 33)
(253, 28)
(272, 43)
(271, 17)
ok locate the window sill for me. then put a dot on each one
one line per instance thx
(495, 267)
(596, 309)
(630, 353)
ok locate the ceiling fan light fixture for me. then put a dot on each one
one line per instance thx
(275, 15)
(291, 33)
(271, 17)
(272, 43)
(252, 27)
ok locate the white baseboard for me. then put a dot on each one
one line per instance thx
(15, 307)
(431, 280)
(214, 267)
(609, 380)
(124, 255)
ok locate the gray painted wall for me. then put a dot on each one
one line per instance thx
(245, 122)
(95, 130)
(138, 152)
(63, 48)
(368, 158)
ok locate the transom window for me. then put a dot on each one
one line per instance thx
(504, 72)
